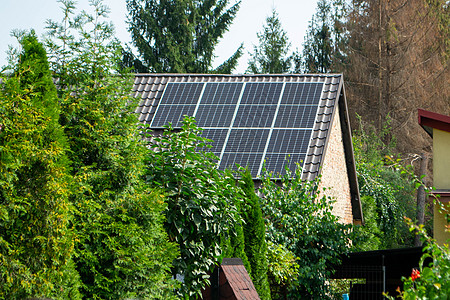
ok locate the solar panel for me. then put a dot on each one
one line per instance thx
(296, 116)
(262, 93)
(181, 93)
(179, 99)
(173, 114)
(219, 93)
(247, 140)
(305, 93)
(250, 160)
(289, 141)
(255, 116)
(250, 123)
(218, 136)
(276, 163)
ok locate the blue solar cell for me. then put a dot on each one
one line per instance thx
(221, 93)
(261, 93)
(218, 136)
(182, 93)
(250, 160)
(302, 93)
(296, 116)
(173, 114)
(277, 163)
(255, 116)
(289, 141)
(247, 140)
(214, 115)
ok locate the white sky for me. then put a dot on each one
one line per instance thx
(294, 16)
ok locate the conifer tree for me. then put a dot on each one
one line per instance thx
(255, 237)
(235, 245)
(179, 36)
(35, 243)
(324, 39)
(272, 54)
(122, 250)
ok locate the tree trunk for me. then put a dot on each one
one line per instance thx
(421, 197)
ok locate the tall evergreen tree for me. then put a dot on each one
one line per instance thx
(255, 237)
(179, 36)
(35, 243)
(272, 54)
(324, 39)
(122, 250)
(234, 245)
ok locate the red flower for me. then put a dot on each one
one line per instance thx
(415, 274)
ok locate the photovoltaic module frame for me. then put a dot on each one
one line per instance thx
(251, 123)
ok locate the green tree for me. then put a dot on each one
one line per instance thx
(234, 245)
(122, 250)
(300, 219)
(387, 193)
(179, 36)
(324, 39)
(200, 201)
(255, 236)
(272, 54)
(36, 243)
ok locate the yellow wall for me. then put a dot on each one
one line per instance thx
(441, 179)
(441, 159)
(439, 223)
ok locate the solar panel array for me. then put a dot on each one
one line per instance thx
(251, 123)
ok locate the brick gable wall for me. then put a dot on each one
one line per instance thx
(334, 173)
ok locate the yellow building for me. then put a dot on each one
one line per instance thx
(438, 127)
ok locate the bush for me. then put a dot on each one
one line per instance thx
(298, 218)
(200, 200)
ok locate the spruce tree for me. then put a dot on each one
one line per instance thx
(255, 237)
(179, 36)
(324, 40)
(271, 56)
(122, 250)
(35, 243)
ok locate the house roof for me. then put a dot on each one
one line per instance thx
(238, 280)
(429, 120)
(150, 89)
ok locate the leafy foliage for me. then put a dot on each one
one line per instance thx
(283, 269)
(255, 236)
(432, 280)
(200, 201)
(179, 36)
(122, 250)
(386, 191)
(300, 219)
(272, 53)
(35, 243)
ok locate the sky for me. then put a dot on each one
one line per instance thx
(293, 14)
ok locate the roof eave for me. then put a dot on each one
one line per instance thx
(431, 120)
(358, 217)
